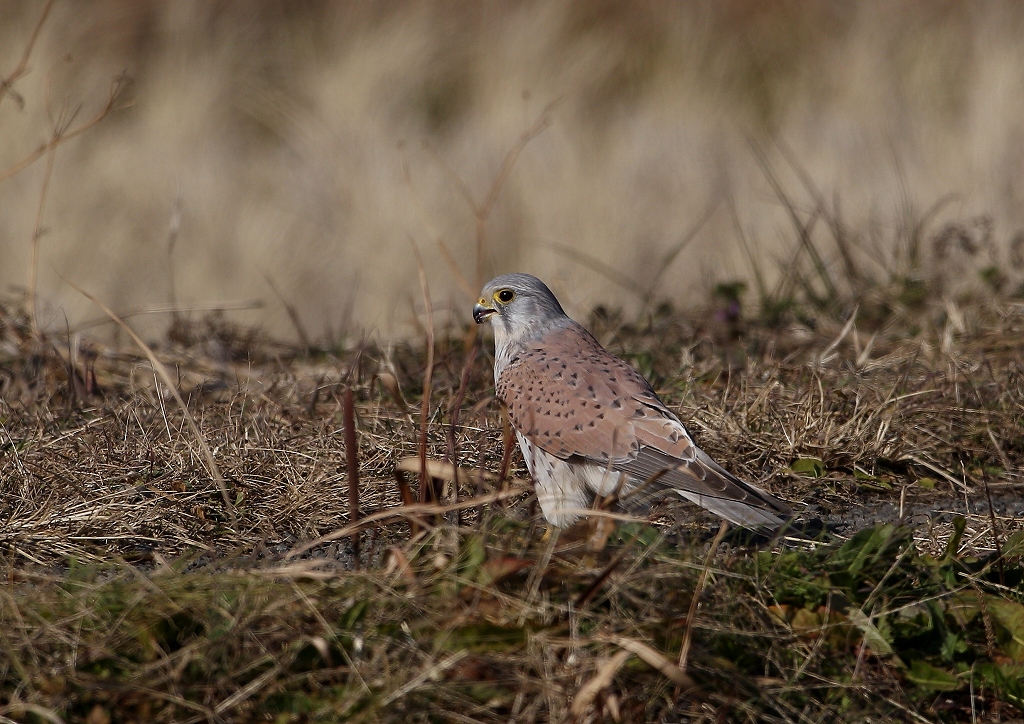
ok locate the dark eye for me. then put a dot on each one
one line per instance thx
(506, 295)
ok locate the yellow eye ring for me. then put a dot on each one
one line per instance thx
(504, 296)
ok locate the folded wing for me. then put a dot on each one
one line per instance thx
(576, 401)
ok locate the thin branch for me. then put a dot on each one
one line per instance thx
(790, 276)
(352, 470)
(644, 291)
(850, 265)
(684, 650)
(608, 272)
(802, 229)
(456, 409)
(65, 136)
(165, 309)
(173, 229)
(674, 252)
(405, 511)
(427, 377)
(293, 315)
(482, 210)
(7, 84)
(37, 233)
(449, 259)
(460, 185)
(762, 288)
(538, 127)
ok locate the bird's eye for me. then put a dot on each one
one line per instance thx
(505, 296)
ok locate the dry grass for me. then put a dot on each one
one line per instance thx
(131, 597)
(276, 138)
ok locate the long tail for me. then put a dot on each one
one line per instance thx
(709, 485)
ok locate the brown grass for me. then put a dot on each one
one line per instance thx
(118, 546)
(97, 446)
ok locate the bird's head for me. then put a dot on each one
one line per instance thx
(519, 306)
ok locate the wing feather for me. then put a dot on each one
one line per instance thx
(570, 396)
(576, 401)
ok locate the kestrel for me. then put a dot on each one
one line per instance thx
(588, 423)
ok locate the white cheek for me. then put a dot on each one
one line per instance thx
(500, 331)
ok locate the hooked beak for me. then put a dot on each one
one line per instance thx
(481, 312)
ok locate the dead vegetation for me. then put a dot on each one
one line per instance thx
(132, 596)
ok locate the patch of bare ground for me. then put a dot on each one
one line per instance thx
(138, 591)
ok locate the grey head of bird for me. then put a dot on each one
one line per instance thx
(520, 307)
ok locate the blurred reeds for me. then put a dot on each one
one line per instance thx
(305, 143)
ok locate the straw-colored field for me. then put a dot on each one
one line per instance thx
(313, 143)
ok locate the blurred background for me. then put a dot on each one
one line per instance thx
(275, 153)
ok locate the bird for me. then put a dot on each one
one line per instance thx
(589, 423)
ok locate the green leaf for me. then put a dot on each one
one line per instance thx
(485, 637)
(472, 556)
(811, 467)
(959, 525)
(355, 614)
(952, 645)
(644, 535)
(871, 482)
(1010, 616)
(863, 548)
(931, 677)
(915, 620)
(927, 483)
(964, 606)
(877, 484)
(1007, 679)
(1014, 545)
(872, 636)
